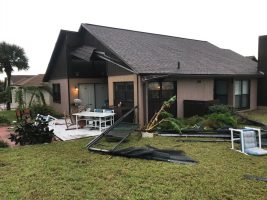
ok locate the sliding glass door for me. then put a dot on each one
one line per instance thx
(242, 94)
(93, 95)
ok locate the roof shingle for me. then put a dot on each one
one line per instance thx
(160, 54)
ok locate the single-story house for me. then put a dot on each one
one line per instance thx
(27, 81)
(103, 65)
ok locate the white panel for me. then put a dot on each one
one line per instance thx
(245, 88)
(87, 94)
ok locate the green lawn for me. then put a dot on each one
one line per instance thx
(66, 170)
(9, 114)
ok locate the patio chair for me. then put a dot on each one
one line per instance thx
(110, 120)
(248, 141)
(98, 110)
(70, 122)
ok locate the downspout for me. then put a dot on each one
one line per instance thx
(138, 96)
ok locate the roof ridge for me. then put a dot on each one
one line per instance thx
(145, 32)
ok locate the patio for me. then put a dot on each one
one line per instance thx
(63, 134)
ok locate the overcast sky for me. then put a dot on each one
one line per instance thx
(35, 25)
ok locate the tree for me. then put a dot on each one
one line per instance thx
(12, 56)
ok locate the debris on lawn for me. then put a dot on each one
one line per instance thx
(203, 140)
(116, 140)
(257, 178)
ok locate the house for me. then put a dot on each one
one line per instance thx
(101, 64)
(27, 81)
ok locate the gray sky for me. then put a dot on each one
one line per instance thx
(35, 25)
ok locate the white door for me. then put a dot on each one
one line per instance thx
(87, 94)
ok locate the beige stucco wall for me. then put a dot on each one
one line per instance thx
(64, 105)
(253, 94)
(193, 89)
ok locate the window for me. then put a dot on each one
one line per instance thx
(221, 91)
(242, 94)
(56, 93)
(124, 93)
(158, 92)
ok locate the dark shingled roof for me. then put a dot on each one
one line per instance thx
(83, 52)
(160, 54)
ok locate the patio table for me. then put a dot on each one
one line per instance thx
(96, 116)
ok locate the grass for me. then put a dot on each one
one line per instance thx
(66, 170)
(258, 115)
(9, 114)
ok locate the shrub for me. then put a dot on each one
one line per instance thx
(43, 110)
(171, 124)
(194, 121)
(4, 120)
(220, 120)
(3, 144)
(32, 133)
(220, 109)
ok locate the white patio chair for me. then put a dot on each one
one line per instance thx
(110, 120)
(248, 141)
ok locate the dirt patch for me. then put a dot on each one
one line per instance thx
(5, 134)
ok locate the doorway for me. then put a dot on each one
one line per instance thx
(158, 92)
(94, 95)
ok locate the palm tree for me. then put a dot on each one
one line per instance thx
(12, 56)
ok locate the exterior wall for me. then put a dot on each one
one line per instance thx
(27, 97)
(193, 89)
(14, 104)
(64, 105)
(74, 82)
(253, 94)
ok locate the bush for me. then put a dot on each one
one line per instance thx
(32, 133)
(193, 122)
(44, 110)
(220, 120)
(220, 109)
(171, 124)
(4, 120)
(3, 144)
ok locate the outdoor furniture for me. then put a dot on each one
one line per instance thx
(109, 120)
(248, 141)
(69, 122)
(46, 118)
(99, 117)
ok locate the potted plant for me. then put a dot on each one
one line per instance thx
(147, 130)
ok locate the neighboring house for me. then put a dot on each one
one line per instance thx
(262, 66)
(24, 81)
(100, 63)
